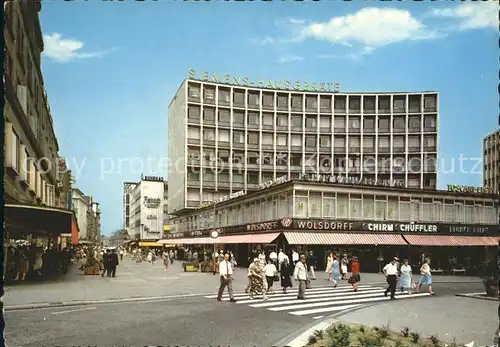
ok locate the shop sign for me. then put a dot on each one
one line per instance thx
(151, 217)
(275, 182)
(328, 178)
(455, 188)
(326, 225)
(470, 229)
(152, 178)
(152, 202)
(401, 227)
(244, 81)
(270, 225)
(223, 199)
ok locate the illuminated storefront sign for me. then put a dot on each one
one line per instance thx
(275, 182)
(269, 84)
(400, 227)
(224, 198)
(470, 189)
(152, 178)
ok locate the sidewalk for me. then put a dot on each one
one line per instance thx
(464, 319)
(145, 280)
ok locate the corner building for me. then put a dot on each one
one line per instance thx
(456, 230)
(225, 139)
(491, 161)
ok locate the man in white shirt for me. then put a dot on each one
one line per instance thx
(300, 274)
(295, 257)
(391, 273)
(281, 259)
(226, 278)
(274, 257)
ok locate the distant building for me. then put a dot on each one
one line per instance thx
(491, 161)
(87, 215)
(144, 211)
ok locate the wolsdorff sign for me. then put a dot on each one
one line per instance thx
(326, 225)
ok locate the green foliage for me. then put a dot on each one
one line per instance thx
(362, 329)
(312, 340)
(370, 341)
(318, 334)
(405, 331)
(340, 336)
(399, 343)
(415, 337)
(434, 340)
(384, 332)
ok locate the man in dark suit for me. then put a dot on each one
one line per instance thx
(105, 262)
(113, 263)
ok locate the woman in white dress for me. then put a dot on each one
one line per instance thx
(343, 266)
(262, 259)
(406, 277)
(329, 262)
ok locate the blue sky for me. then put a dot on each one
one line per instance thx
(111, 69)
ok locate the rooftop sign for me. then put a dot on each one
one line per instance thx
(470, 189)
(327, 178)
(244, 81)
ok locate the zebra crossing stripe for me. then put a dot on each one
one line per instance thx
(324, 296)
(350, 301)
(294, 291)
(323, 300)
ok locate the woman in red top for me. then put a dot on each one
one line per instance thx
(355, 277)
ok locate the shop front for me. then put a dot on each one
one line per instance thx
(33, 238)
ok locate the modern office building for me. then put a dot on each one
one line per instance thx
(491, 161)
(226, 138)
(144, 213)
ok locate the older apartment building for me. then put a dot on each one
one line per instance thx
(31, 148)
(225, 138)
(491, 161)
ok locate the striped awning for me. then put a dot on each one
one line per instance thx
(451, 240)
(247, 238)
(307, 238)
(189, 241)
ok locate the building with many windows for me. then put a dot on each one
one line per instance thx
(491, 161)
(144, 211)
(366, 218)
(87, 215)
(227, 138)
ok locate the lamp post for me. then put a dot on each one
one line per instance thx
(214, 226)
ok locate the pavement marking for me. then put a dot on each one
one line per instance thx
(75, 310)
(319, 300)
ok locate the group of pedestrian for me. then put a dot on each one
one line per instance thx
(341, 268)
(110, 263)
(394, 272)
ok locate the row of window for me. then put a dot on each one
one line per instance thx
(343, 207)
(18, 159)
(310, 121)
(296, 140)
(340, 102)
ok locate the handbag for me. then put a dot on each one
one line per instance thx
(308, 284)
(276, 278)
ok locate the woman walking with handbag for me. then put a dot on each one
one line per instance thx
(271, 272)
(285, 273)
(355, 276)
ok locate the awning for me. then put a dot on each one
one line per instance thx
(189, 241)
(451, 241)
(247, 238)
(41, 220)
(150, 244)
(308, 238)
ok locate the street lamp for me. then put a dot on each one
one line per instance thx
(214, 226)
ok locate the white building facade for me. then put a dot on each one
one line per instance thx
(226, 138)
(144, 213)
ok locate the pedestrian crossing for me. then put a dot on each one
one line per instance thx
(319, 300)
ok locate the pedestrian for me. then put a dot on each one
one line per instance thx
(425, 276)
(391, 274)
(150, 257)
(335, 271)
(171, 255)
(285, 273)
(105, 263)
(233, 260)
(226, 278)
(355, 277)
(113, 263)
(329, 262)
(300, 275)
(153, 257)
(262, 259)
(274, 257)
(166, 260)
(343, 266)
(257, 279)
(281, 258)
(121, 254)
(271, 272)
(406, 278)
(312, 262)
(295, 257)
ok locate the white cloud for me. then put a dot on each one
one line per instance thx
(367, 50)
(289, 58)
(372, 27)
(472, 15)
(64, 50)
(267, 40)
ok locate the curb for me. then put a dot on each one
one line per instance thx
(301, 338)
(97, 302)
(477, 296)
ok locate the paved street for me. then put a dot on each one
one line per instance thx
(146, 280)
(187, 322)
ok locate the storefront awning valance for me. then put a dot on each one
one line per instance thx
(451, 241)
(189, 241)
(150, 244)
(247, 238)
(307, 238)
(41, 220)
